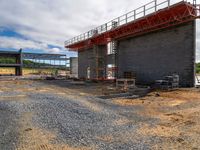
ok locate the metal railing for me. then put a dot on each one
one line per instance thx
(140, 12)
(198, 10)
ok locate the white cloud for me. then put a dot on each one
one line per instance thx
(11, 42)
(55, 50)
(54, 21)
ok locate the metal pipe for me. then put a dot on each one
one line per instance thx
(134, 14)
(168, 3)
(155, 5)
(194, 2)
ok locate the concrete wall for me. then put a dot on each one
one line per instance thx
(74, 66)
(84, 62)
(154, 55)
(87, 58)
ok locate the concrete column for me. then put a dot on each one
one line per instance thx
(19, 61)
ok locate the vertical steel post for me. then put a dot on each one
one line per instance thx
(106, 26)
(155, 5)
(168, 3)
(194, 2)
(144, 10)
(134, 14)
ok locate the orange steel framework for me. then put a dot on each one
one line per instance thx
(142, 22)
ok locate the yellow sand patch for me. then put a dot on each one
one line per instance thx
(121, 121)
(161, 130)
(176, 102)
(106, 138)
(13, 96)
(127, 102)
(25, 90)
(181, 95)
(83, 94)
(61, 93)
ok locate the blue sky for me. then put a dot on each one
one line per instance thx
(28, 44)
(42, 26)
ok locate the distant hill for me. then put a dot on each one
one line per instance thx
(31, 63)
(25, 62)
(7, 61)
(198, 67)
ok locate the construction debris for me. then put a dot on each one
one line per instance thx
(119, 95)
(168, 82)
(50, 78)
(125, 84)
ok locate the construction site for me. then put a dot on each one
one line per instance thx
(133, 86)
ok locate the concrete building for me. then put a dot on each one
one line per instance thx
(147, 47)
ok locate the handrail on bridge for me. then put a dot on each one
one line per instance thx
(140, 12)
(198, 10)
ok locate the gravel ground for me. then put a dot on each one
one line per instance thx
(41, 115)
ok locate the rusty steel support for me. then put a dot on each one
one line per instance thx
(176, 14)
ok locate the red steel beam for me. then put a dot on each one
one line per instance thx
(174, 15)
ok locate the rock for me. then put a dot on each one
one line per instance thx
(28, 129)
(157, 95)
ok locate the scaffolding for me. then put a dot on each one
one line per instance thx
(98, 63)
(153, 16)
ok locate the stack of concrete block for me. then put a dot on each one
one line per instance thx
(168, 82)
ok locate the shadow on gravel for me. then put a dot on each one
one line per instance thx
(88, 88)
(67, 84)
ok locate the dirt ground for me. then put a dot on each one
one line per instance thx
(44, 115)
(179, 115)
